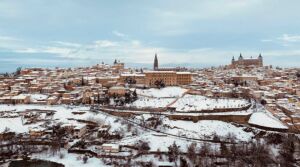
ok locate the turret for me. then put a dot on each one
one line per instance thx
(260, 58)
(241, 57)
(232, 60)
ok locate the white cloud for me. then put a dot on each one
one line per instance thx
(68, 44)
(8, 38)
(289, 38)
(27, 50)
(10, 42)
(286, 40)
(266, 40)
(119, 34)
(105, 43)
(57, 50)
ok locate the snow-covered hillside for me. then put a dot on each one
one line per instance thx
(144, 102)
(198, 103)
(266, 120)
(163, 92)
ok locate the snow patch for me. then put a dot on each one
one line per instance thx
(266, 120)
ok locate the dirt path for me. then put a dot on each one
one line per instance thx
(173, 102)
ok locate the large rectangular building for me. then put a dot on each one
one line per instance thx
(184, 78)
(169, 78)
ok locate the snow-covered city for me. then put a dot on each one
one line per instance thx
(110, 115)
(138, 83)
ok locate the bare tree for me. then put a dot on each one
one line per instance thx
(173, 152)
(204, 149)
(260, 154)
(183, 162)
(287, 151)
(224, 149)
(191, 152)
(142, 146)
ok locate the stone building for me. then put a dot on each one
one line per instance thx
(184, 78)
(117, 91)
(118, 66)
(247, 63)
(136, 78)
(169, 78)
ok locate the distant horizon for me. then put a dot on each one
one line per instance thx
(202, 32)
(75, 64)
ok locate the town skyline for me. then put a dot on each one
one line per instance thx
(161, 83)
(31, 34)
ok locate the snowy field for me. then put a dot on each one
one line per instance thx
(265, 119)
(198, 103)
(205, 129)
(154, 98)
(62, 114)
(145, 102)
(69, 160)
(200, 130)
(15, 125)
(163, 92)
(157, 142)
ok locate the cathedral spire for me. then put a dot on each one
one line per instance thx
(155, 65)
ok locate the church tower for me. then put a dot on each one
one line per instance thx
(155, 65)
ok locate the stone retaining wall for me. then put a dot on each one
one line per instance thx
(269, 129)
(243, 119)
(172, 109)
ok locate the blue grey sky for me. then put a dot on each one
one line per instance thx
(51, 33)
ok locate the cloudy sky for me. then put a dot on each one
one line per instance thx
(200, 33)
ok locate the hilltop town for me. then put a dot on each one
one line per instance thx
(112, 115)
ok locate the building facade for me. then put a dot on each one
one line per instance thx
(184, 78)
(246, 63)
(138, 78)
(168, 76)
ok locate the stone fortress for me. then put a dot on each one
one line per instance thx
(241, 62)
